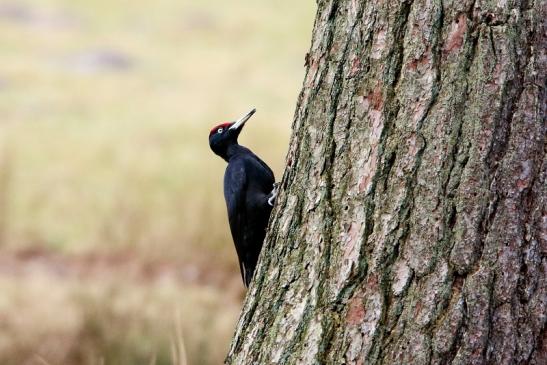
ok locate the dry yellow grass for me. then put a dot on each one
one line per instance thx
(81, 321)
(105, 108)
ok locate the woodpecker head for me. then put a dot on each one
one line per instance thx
(225, 135)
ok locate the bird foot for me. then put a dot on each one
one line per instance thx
(273, 194)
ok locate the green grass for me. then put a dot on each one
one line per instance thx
(106, 155)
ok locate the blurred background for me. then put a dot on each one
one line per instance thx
(114, 242)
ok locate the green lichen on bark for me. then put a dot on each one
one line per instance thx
(411, 225)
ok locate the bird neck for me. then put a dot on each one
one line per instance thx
(234, 150)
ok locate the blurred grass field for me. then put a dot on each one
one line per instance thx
(112, 218)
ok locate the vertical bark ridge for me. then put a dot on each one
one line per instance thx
(411, 223)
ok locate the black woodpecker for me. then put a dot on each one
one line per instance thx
(248, 192)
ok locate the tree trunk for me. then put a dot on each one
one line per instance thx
(411, 227)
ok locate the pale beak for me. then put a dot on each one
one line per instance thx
(239, 124)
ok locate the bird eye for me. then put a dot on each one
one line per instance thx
(220, 130)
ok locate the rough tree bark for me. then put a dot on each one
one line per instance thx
(411, 226)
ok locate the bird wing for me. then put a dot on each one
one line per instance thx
(267, 168)
(235, 184)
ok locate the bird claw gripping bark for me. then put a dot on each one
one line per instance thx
(273, 194)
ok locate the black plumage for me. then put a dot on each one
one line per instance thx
(248, 183)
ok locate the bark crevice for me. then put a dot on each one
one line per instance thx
(409, 228)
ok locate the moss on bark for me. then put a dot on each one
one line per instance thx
(410, 228)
